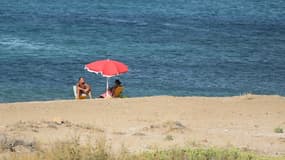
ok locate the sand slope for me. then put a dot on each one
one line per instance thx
(247, 122)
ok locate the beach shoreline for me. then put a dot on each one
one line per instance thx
(138, 97)
(144, 123)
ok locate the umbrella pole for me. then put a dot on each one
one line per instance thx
(107, 87)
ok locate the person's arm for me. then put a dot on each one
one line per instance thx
(90, 95)
(113, 90)
(80, 89)
(88, 89)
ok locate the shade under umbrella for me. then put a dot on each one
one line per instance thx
(107, 68)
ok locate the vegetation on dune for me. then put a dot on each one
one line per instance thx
(278, 130)
(74, 151)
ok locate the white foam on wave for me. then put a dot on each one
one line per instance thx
(20, 43)
(117, 20)
(172, 25)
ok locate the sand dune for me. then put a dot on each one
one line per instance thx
(246, 122)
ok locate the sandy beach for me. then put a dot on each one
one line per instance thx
(146, 123)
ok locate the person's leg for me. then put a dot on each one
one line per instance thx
(89, 94)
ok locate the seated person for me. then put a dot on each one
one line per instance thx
(115, 91)
(83, 89)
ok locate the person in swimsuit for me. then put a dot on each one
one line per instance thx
(83, 89)
(117, 89)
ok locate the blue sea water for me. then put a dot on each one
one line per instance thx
(172, 47)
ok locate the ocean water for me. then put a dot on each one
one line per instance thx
(172, 47)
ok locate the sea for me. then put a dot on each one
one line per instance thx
(172, 47)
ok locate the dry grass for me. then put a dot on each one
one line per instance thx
(101, 151)
(14, 144)
(169, 138)
(167, 127)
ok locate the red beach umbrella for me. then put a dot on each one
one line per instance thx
(107, 68)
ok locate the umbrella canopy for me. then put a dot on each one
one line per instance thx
(107, 68)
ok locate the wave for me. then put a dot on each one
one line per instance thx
(19, 43)
(117, 20)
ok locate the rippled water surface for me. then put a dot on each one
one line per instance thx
(172, 47)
